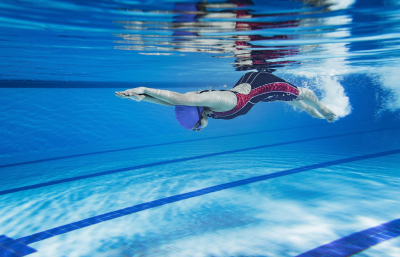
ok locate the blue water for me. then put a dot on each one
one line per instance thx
(71, 151)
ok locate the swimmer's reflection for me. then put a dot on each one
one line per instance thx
(246, 57)
(197, 27)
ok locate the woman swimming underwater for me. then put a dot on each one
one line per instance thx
(193, 109)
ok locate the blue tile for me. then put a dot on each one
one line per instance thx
(42, 235)
(371, 231)
(335, 244)
(117, 215)
(361, 245)
(9, 243)
(21, 249)
(133, 209)
(388, 233)
(126, 211)
(359, 241)
(140, 208)
(56, 231)
(397, 222)
(356, 247)
(69, 227)
(93, 221)
(105, 218)
(81, 224)
(4, 238)
(8, 253)
(334, 254)
(158, 202)
(382, 227)
(368, 233)
(396, 231)
(383, 236)
(28, 240)
(181, 197)
(371, 241)
(318, 252)
(354, 237)
(349, 250)
(394, 224)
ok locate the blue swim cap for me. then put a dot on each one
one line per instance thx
(188, 116)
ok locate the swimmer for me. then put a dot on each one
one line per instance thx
(193, 109)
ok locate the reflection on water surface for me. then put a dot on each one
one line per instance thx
(251, 34)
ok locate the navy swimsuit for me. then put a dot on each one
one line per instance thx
(265, 87)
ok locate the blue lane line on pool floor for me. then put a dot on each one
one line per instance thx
(13, 248)
(176, 198)
(93, 175)
(356, 242)
(153, 145)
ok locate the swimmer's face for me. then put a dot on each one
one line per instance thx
(204, 122)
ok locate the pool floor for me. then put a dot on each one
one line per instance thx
(272, 193)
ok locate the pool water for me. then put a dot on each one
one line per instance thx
(85, 173)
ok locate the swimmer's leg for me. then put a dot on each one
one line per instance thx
(305, 107)
(307, 96)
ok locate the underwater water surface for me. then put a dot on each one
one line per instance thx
(85, 173)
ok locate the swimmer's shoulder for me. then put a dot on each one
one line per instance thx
(243, 88)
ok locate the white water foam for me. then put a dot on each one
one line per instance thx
(389, 78)
(335, 97)
(333, 93)
(324, 76)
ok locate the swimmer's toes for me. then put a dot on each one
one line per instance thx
(332, 118)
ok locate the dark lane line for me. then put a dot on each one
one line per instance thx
(176, 198)
(153, 145)
(55, 182)
(357, 242)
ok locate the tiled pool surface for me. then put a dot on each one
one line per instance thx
(272, 193)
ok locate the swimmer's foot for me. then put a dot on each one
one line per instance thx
(328, 114)
(331, 117)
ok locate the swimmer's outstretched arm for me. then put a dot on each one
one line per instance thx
(215, 100)
(145, 98)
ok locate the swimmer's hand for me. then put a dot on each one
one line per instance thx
(135, 94)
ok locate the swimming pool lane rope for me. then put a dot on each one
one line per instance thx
(19, 247)
(103, 173)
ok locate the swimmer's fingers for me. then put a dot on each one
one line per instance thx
(121, 94)
(134, 97)
(130, 94)
(137, 98)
